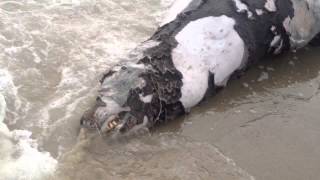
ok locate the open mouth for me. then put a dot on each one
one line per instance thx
(112, 123)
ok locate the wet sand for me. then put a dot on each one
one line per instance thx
(270, 128)
(163, 156)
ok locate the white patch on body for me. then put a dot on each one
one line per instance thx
(210, 44)
(259, 12)
(305, 23)
(270, 5)
(177, 7)
(241, 7)
(146, 99)
(279, 48)
(135, 65)
(286, 23)
(275, 41)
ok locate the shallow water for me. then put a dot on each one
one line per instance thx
(52, 54)
(56, 53)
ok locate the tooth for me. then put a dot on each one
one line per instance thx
(109, 125)
(114, 123)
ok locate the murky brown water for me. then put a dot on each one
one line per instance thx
(266, 123)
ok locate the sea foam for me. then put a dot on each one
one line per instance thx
(20, 158)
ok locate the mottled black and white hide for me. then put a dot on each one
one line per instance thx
(194, 54)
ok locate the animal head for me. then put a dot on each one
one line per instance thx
(139, 92)
(111, 110)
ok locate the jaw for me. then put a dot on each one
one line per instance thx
(111, 124)
(105, 124)
(124, 125)
(103, 116)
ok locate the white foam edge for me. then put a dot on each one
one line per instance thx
(19, 156)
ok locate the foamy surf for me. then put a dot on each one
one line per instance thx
(20, 158)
